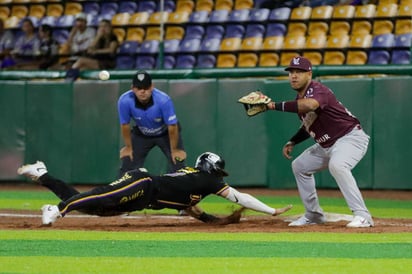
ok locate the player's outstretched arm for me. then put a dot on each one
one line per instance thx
(250, 202)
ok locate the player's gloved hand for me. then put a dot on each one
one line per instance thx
(287, 150)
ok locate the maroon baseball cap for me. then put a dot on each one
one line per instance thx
(301, 63)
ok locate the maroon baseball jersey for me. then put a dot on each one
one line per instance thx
(331, 120)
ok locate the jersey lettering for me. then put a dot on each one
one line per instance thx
(132, 197)
(125, 177)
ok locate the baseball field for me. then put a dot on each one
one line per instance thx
(162, 242)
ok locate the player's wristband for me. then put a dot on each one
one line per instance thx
(207, 218)
(288, 106)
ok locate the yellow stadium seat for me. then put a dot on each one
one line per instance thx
(243, 4)
(315, 58)
(73, 8)
(174, 32)
(294, 42)
(11, 22)
(318, 28)
(334, 58)
(120, 19)
(178, 17)
(153, 33)
(55, 10)
(362, 26)
(273, 43)
(139, 18)
(230, 44)
(386, 10)
(251, 43)
(38, 11)
(321, 13)
(314, 46)
(206, 5)
(19, 11)
(356, 57)
(247, 60)
(224, 5)
(135, 34)
(185, 5)
(226, 61)
(360, 41)
(301, 13)
(365, 11)
(296, 28)
(158, 17)
(344, 12)
(120, 34)
(268, 59)
(4, 12)
(339, 27)
(382, 27)
(403, 26)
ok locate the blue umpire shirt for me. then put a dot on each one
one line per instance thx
(151, 120)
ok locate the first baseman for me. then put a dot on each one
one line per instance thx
(340, 144)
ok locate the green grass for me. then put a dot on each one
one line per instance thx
(60, 251)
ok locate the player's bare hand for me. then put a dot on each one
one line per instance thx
(126, 152)
(287, 150)
(282, 210)
(178, 155)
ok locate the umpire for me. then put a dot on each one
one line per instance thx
(155, 124)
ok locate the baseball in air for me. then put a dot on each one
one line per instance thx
(104, 75)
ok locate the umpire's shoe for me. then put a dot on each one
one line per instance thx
(33, 171)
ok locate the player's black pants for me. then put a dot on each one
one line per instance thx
(142, 145)
(107, 200)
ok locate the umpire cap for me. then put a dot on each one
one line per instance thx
(142, 80)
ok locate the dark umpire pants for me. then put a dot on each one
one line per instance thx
(142, 145)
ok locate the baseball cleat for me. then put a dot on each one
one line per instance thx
(359, 221)
(50, 213)
(33, 171)
(302, 221)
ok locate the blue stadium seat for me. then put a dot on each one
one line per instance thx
(147, 6)
(259, 15)
(255, 30)
(126, 58)
(206, 61)
(386, 40)
(189, 45)
(92, 8)
(108, 9)
(401, 57)
(275, 29)
(49, 20)
(65, 21)
(194, 31)
(219, 16)
(127, 6)
(239, 15)
(201, 16)
(149, 47)
(401, 53)
(171, 46)
(145, 62)
(234, 30)
(280, 14)
(169, 62)
(185, 61)
(215, 31)
(379, 57)
(210, 44)
(169, 6)
(61, 35)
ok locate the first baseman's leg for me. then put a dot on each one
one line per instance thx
(345, 155)
(304, 166)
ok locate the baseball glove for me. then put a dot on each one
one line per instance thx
(233, 218)
(255, 103)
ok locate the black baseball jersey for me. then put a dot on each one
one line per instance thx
(185, 187)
